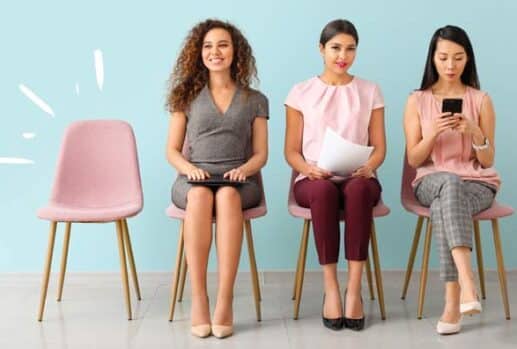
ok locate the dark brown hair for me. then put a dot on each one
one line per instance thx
(190, 75)
(338, 26)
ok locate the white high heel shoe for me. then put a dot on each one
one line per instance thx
(470, 308)
(446, 328)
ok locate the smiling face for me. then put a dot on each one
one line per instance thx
(217, 50)
(339, 53)
(449, 60)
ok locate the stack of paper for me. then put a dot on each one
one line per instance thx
(340, 156)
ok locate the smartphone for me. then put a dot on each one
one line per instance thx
(452, 105)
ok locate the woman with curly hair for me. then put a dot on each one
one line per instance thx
(223, 122)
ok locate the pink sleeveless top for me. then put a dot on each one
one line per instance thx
(346, 109)
(453, 151)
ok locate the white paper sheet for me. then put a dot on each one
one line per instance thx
(340, 156)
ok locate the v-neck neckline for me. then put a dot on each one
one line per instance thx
(219, 112)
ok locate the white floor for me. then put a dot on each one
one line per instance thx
(92, 315)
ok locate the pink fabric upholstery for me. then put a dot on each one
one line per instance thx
(296, 210)
(411, 204)
(255, 212)
(97, 177)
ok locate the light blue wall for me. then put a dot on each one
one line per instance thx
(49, 47)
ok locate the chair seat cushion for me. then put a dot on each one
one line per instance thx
(68, 213)
(497, 210)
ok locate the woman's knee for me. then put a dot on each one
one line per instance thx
(360, 187)
(323, 189)
(228, 195)
(200, 196)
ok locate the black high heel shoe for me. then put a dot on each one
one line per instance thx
(353, 324)
(333, 324)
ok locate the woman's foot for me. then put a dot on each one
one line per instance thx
(353, 305)
(469, 299)
(222, 324)
(332, 307)
(354, 314)
(450, 321)
(200, 316)
(451, 313)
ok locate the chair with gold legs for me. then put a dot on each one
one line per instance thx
(493, 214)
(97, 181)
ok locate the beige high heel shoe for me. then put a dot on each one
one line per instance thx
(222, 331)
(201, 331)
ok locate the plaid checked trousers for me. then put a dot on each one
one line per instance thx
(453, 202)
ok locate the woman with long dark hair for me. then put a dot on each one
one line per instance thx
(353, 108)
(223, 121)
(449, 125)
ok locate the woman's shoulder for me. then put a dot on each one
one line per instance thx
(306, 85)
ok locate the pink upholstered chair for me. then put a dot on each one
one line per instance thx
(97, 181)
(298, 211)
(180, 271)
(411, 204)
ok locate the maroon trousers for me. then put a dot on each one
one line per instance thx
(356, 196)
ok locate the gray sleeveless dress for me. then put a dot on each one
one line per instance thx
(220, 142)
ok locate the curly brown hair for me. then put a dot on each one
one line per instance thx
(190, 75)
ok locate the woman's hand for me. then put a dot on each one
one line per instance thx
(236, 174)
(195, 173)
(443, 122)
(314, 172)
(467, 126)
(364, 171)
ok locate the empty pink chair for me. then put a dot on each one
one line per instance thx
(180, 270)
(298, 211)
(411, 204)
(97, 181)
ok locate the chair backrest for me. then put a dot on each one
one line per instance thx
(98, 165)
(406, 190)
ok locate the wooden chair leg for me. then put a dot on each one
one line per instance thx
(123, 266)
(378, 274)
(253, 268)
(301, 274)
(64, 258)
(479, 255)
(369, 278)
(412, 254)
(183, 277)
(425, 267)
(297, 273)
(500, 267)
(175, 280)
(46, 272)
(131, 258)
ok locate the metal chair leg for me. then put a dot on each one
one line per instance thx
(500, 267)
(299, 286)
(175, 280)
(123, 267)
(64, 258)
(425, 267)
(412, 254)
(46, 272)
(377, 269)
(253, 268)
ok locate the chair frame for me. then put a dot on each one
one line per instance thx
(125, 254)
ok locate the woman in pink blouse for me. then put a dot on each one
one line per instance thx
(354, 108)
(453, 153)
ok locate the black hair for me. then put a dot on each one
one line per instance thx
(338, 26)
(459, 36)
